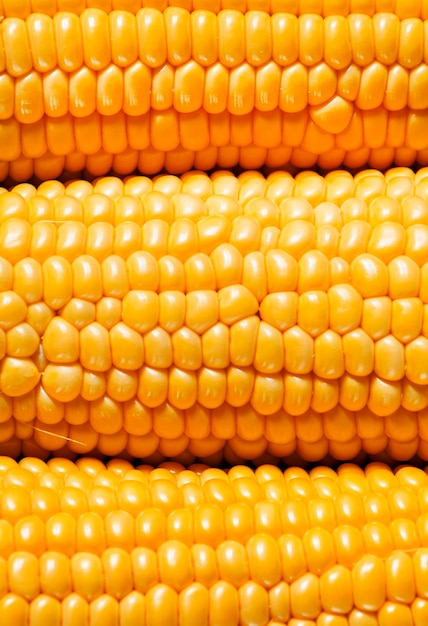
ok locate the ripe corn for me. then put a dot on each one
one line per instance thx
(151, 89)
(91, 544)
(216, 316)
(402, 8)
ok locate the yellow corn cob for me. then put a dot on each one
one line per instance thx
(216, 315)
(90, 544)
(402, 8)
(175, 89)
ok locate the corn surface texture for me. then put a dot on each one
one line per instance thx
(212, 316)
(203, 320)
(402, 8)
(169, 88)
(90, 544)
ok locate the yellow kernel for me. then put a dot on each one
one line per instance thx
(63, 382)
(57, 282)
(14, 309)
(15, 239)
(187, 349)
(201, 310)
(22, 340)
(27, 280)
(127, 348)
(140, 310)
(95, 353)
(108, 312)
(215, 346)
(236, 302)
(18, 376)
(61, 341)
(158, 348)
(369, 276)
(79, 312)
(280, 309)
(312, 312)
(345, 308)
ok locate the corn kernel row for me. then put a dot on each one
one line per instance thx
(103, 588)
(367, 195)
(330, 100)
(115, 144)
(89, 542)
(184, 499)
(220, 246)
(105, 43)
(180, 161)
(227, 433)
(208, 336)
(171, 96)
(402, 8)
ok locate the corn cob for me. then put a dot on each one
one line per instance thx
(402, 8)
(94, 544)
(178, 90)
(216, 315)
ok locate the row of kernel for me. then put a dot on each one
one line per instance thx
(89, 523)
(179, 161)
(223, 443)
(383, 299)
(326, 482)
(374, 484)
(307, 546)
(222, 215)
(84, 526)
(401, 184)
(272, 138)
(345, 542)
(182, 388)
(162, 257)
(116, 398)
(201, 253)
(200, 273)
(313, 311)
(204, 249)
(333, 200)
(403, 8)
(348, 478)
(199, 376)
(224, 327)
(95, 39)
(291, 267)
(190, 88)
(197, 583)
(184, 360)
(39, 439)
(210, 240)
(358, 404)
(379, 478)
